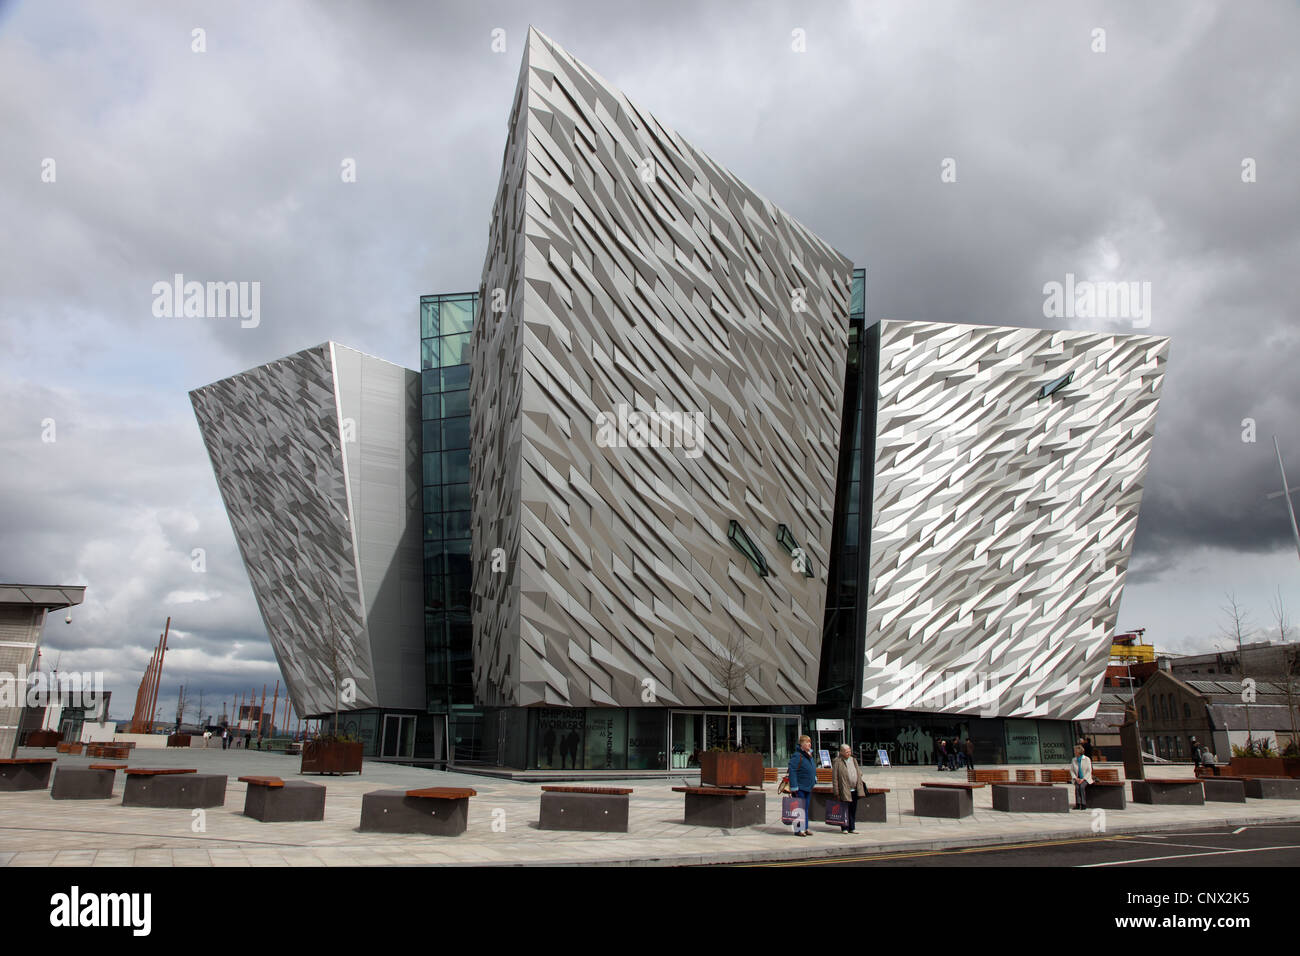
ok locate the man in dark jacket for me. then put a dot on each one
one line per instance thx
(970, 754)
(803, 778)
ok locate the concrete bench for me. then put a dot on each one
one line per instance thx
(434, 811)
(871, 808)
(949, 800)
(1106, 795)
(723, 807)
(25, 773)
(1023, 797)
(1272, 788)
(598, 809)
(1224, 789)
(272, 800)
(173, 788)
(1171, 791)
(85, 783)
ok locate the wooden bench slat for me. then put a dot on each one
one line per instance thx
(108, 766)
(613, 791)
(443, 793)
(156, 771)
(16, 760)
(953, 786)
(714, 791)
(272, 782)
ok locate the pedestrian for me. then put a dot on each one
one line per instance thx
(803, 778)
(941, 754)
(1196, 754)
(225, 738)
(970, 754)
(1086, 744)
(952, 754)
(847, 781)
(1080, 776)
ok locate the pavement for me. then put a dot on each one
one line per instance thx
(38, 831)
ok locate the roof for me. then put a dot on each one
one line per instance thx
(1262, 717)
(52, 597)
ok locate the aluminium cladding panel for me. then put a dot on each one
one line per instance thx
(273, 434)
(20, 635)
(379, 406)
(637, 274)
(1002, 523)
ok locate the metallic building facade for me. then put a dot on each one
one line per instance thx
(632, 284)
(1002, 518)
(317, 459)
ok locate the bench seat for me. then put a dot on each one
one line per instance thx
(84, 783)
(592, 809)
(726, 807)
(173, 789)
(1169, 791)
(433, 811)
(272, 800)
(25, 773)
(1024, 797)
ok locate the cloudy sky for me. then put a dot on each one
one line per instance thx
(1123, 163)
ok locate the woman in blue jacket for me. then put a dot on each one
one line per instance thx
(803, 778)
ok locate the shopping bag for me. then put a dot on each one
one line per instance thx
(792, 810)
(837, 813)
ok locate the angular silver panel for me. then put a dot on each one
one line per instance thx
(633, 272)
(1002, 522)
(317, 459)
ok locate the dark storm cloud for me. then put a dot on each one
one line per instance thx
(225, 165)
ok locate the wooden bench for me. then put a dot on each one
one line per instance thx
(1026, 776)
(723, 806)
(1169, 791)
(987, 776)
(595, 809)
(273, 800)
(944, 799)
(433, 811)
(94, 782)
(173, 788)
(109, 751)
(1025, 796)
(871, 808)
(73, 748)
(25, 773)
(1106, 774)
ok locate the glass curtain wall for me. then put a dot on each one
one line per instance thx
(445, 324)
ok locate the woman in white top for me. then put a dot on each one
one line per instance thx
(1080, 776)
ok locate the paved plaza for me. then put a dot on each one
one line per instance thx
(38, 831)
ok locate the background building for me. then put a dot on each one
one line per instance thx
(23, 609)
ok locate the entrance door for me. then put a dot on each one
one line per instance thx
(399, 735)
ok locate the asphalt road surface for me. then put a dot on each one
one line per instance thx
(1253, 846)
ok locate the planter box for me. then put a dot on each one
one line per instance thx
(1260, 766)
(178, 740)
(44, 738)
(331, 757)
(720, 769)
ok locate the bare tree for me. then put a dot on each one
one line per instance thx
(730, 666)
(1290, 664)
(1237, 627)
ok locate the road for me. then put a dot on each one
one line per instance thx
(1271, 845)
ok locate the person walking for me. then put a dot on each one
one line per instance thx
(848, 784)
(803, 778)
(1080, 776)
(1196, 754)
(952, 754)
(970, 754)
(941, 754)
(225, 738)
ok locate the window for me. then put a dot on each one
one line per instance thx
(1187, 709)
(1144, 713)
(786, 540)
(742, 543)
